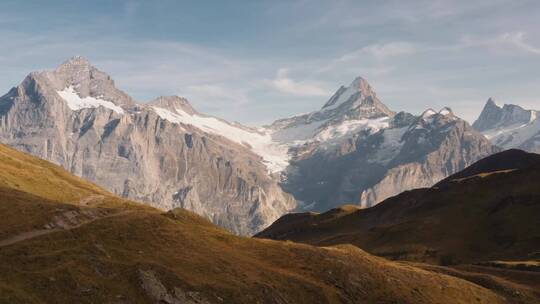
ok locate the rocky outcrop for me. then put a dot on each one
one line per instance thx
(75, 117)
(510, 126)
(159, 293)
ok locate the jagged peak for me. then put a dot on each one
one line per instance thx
(356, 100)
(428, 113)
(491, 102)
(75, 61)
(173, 103)
(446, 111)
(358, 85)
(362, 85)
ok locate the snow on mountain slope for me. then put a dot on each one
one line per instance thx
(163, 153)
(349, 127)
(509, 126)
(355, 150)
(350, 110)
(273, 153)
(75, 102)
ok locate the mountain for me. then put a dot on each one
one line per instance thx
(488, 211)
(65, 240)
(355, 150)
(163, 152)
(510, 126)
(166, 153)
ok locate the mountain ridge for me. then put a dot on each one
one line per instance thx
(144, 151)
(510, 126)
(354, 149)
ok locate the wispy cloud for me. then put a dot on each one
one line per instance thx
(215, 95)
(380, 51)
(515, 40)
(284, 84)
(518, 40)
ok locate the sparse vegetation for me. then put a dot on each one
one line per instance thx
(135, 254)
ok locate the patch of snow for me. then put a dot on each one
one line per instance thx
(445, 111)
(274, 154)
(391, 145)
(513, 136)
(298, 133)
(352, 126)
(428, 113)
(75, 102)
(344, 97)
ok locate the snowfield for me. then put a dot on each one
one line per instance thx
(75, 102)
(274, 154)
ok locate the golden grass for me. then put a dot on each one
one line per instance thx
(101, 260)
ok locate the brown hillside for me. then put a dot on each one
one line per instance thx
(489, 211)
(63, 240)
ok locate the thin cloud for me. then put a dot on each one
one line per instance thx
(215, 95)
(513, 39)
(519, 40)
(378, 52)
(381, 51)
(284, 84)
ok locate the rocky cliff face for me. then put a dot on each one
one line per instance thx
(356, 150)
(163, 153)
(353, 150)
(510, 126)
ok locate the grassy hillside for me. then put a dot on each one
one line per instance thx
(474, 217)
(64, 240)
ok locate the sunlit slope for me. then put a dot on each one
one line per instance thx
(63, 240)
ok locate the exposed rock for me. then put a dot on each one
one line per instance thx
(156, 291)
(356, 150)
(75, 117)
(510, 126)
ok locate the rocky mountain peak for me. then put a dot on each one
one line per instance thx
(363, 86)
(77, 74)
(76, 61)
(491, 103)
(495, 116)
(173, 103)
(489, 117)
(358, 100)
(446, 111)
(359, 87)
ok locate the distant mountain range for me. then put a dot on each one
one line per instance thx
(166, 153)
(355, 150)
(489, 211)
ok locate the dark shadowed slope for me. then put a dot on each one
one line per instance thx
(488, 211)
(64, 240)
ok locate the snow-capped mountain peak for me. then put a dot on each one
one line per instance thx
(172, 103)
(428, 113)
(78, 76)
(446, 111)
(357, 100)
(351, 109)
(510, 126)
(75, 61)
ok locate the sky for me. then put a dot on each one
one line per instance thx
(257, 61)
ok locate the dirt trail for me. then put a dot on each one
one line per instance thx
(39, 232)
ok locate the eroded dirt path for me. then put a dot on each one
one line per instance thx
(65, 226)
